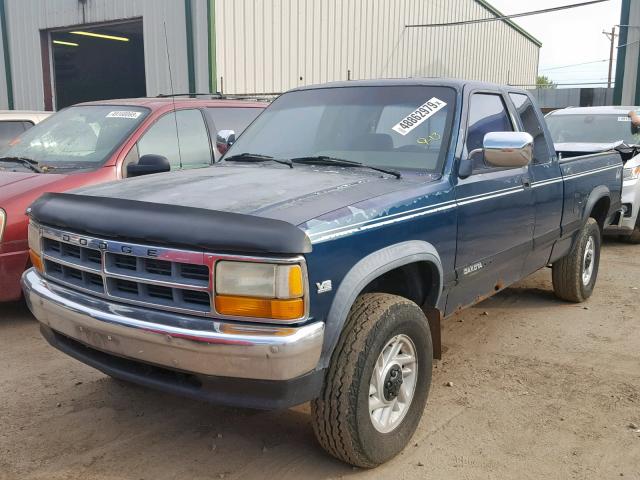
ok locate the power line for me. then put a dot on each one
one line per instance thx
(574, 65)
(506, 17)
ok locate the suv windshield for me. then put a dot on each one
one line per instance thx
(398, 127)
(600, 128)
(77, 137)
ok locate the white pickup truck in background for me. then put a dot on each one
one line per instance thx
(582, 130)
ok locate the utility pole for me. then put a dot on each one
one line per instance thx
(612, 37)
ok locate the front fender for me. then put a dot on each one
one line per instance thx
(365, 271)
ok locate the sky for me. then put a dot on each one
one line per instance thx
(569, 37)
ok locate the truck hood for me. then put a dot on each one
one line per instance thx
(17, 183)
(294, 195)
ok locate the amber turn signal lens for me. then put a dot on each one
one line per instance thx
(260, 307)
(36, 261)
(295, 281)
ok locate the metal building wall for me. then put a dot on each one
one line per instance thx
(274, 45)
(627, 83)
(4, 103)
(554, 98)
(25, 19)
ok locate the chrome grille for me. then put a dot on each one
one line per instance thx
(170, 279)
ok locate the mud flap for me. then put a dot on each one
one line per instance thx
(434, 317)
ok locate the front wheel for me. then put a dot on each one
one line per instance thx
(635, 235)
(574, 276)
(377, 383)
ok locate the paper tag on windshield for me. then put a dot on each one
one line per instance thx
(419, 115)
(624, 119)
(123, 114)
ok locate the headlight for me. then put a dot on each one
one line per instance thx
(263, 290)
(3, 221)
(631, 173)
(35, 245)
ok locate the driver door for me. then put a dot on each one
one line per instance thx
(495, 211)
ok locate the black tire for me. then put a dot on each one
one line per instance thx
(634, 238)
(635, 235)
(341, 417)
(567, 272)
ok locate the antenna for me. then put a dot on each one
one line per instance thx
(173, 98)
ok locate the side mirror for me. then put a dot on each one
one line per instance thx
(224, 140)
(508, 149)
(147, 165)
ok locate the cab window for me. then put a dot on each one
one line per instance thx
(531, 124)
(186, 146)
(487, 113)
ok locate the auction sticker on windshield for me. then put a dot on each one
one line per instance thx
(419, 115)
(123, 114)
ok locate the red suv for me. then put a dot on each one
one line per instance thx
(98, 142)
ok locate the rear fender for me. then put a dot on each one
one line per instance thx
(595, 196)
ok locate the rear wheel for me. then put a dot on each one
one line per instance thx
(634, 237)
(377, 383)
(574, 276)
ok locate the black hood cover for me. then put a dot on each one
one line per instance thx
(164, 224)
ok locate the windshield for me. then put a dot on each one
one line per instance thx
(399, 127)
(593, 128)
(77, 137)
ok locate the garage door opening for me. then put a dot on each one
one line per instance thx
(98, 63)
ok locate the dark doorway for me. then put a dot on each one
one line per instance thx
(98, 62)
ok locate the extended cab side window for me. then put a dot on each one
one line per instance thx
(187, 147)
(531, 124)
(487, 113)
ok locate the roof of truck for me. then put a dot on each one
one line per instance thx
(456, 83)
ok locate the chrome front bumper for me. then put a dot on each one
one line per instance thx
(179, 342)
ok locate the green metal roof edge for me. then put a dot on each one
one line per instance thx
(511, 23)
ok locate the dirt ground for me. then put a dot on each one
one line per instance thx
(541, 389)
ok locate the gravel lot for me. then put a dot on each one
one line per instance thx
(541, 389)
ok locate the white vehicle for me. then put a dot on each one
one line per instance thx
(14, 122)
(591, 129)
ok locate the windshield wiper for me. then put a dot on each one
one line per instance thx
(256, 157)
(27, 162)
(341, 162)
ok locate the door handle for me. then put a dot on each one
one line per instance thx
(526, 182)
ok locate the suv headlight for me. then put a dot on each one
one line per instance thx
(262, 290)
(3, 221)
(631, 173)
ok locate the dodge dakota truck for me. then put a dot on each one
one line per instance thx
(316, 260)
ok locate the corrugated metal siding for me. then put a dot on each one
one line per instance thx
(201, 44)
(632, 57)
(274, 45)
(552, 98)
(27, 17)
(4, 103)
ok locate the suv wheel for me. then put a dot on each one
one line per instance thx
(377, 383)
